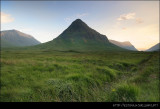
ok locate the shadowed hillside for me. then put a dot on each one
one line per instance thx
(126, 45)
(14, 38)
(80, 37)
(155, 48)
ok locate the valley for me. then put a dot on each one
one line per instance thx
(80, 51)
(70, 76)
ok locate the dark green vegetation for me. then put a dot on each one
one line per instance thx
(79, 37)
(79, 76)
(14, 38)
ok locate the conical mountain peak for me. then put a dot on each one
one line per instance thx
(81, 31)
(78, 21)
(80, 37)
(78, 25)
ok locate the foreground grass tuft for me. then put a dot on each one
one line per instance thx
(125, 93)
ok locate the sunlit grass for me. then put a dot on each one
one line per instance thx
(78, 76)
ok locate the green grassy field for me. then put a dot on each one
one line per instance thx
(52, 76)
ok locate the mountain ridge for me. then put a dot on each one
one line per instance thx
(125, 44)
(15, 38)
(80, 37)
(79, 26)
(156, 47)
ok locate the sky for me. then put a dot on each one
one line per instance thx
(133, 21)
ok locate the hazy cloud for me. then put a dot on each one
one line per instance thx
(76, 16)
(139, 20)
(25, 29)
(130, 16)
(124, 28)
(127, 16)
(81, 15)
(6, 18)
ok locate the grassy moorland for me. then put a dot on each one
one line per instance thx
(52, 76)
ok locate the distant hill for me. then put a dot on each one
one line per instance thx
(80, 37)
(155, 48)
(14, 38)
(126, 45)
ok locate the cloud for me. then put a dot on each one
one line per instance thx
(124, 28)
(139, 20)
(71, 18)
(6, 18)
(127, 16)
(143, 36)
(130, 16)
(25, 29)
(81, 15)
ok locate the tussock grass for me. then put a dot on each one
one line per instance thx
(125, 93)
(55, 76)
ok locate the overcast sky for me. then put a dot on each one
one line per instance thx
(134, 21)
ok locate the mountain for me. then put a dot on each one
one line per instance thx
(155, 48)
(80, 37)
(126, 45)
(14, 38)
